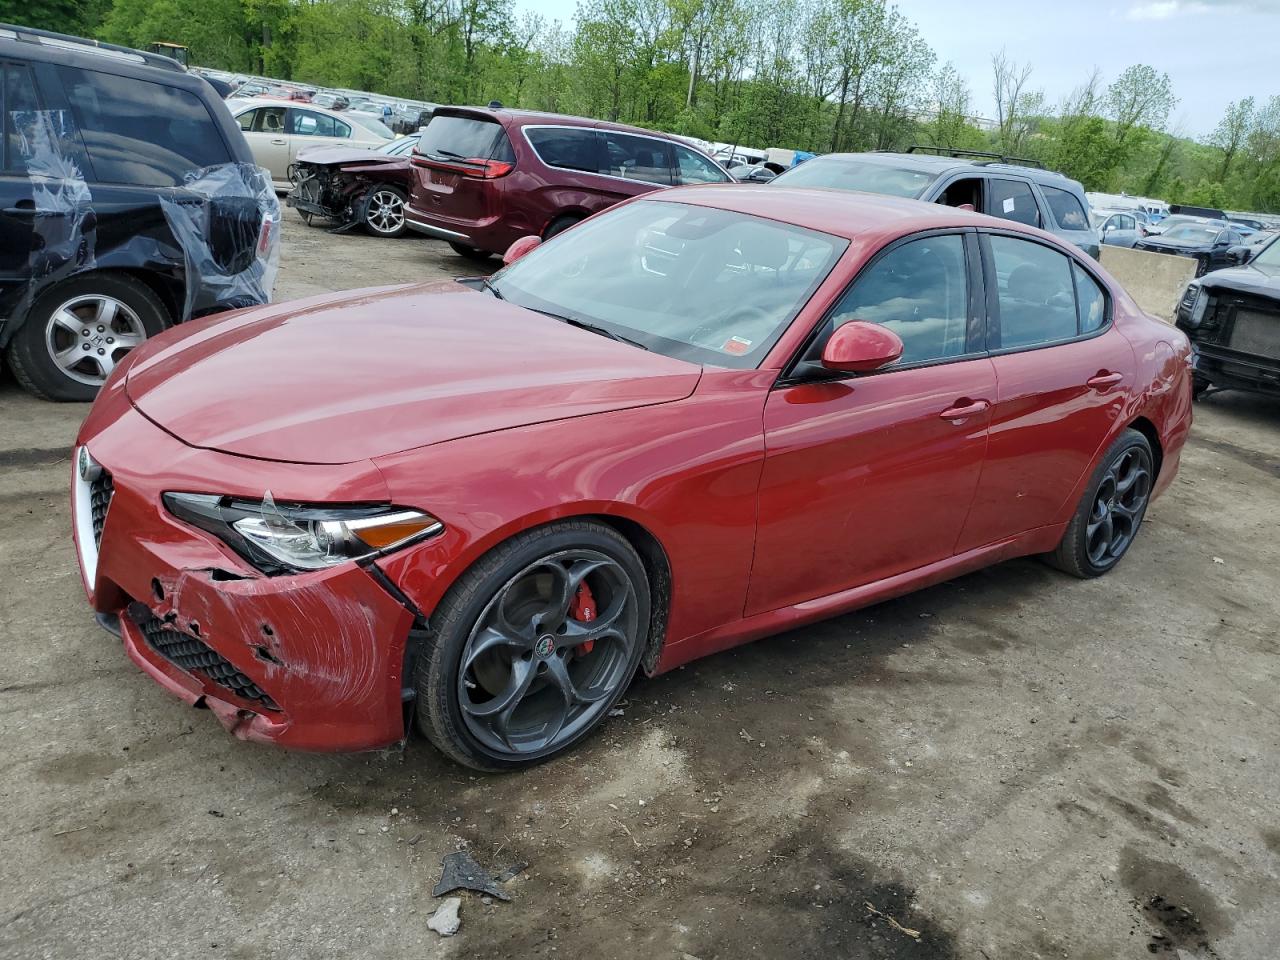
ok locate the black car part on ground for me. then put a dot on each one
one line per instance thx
(1232, 318)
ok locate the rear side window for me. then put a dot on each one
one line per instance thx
(19, 100)
(1091, 302)
(565, 147)
(139, 132)
(695, 168)
(1036, 293)
(636, 158)
(306, 123)
(464, 138)
(1066, 208)
(1013, 200)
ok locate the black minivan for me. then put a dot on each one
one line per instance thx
(128, 201)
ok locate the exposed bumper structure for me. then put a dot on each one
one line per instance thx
(313, 661)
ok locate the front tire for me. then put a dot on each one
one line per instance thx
(533, 646)
(1106, 522)
(78, 330)
(382, 212)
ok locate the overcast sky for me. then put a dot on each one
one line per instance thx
(1214, 51)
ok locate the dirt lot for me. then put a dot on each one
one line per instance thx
(1011, 765)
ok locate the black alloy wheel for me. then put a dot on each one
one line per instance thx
(1106, 521)
(534, 646)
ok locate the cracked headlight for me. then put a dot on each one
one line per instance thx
(291, 538)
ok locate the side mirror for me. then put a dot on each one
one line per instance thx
(860, 347)
(1108, 228)
(520, 248)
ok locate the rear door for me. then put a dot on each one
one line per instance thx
(871, 476)
(19, 111)
(1063, 372)
(264, 130)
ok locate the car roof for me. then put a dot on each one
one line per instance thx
(939, 165)
(534, 117)
(842, 213)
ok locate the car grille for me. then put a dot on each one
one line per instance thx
(1256, 332)
(194, 656)
(100, 492)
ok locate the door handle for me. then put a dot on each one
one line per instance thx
(280, 143)
(1104, 379)
(965, 408)
(22, 208)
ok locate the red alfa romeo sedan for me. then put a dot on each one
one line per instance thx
(703, 416)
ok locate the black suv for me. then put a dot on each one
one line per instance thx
(1005, 187)
(1232, 318)
(128, 201)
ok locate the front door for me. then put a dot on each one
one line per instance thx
(873, 475)
(1062, 371)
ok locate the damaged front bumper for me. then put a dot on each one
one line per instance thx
(313, 661)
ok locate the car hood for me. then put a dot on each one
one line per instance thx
(1245, 280)
(324, 156)
(367, 373)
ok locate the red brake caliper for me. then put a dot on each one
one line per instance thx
(583, 609)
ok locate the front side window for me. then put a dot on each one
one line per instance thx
(693, 167)
(920, 291)
(697, 283)
(1066, 208)
(138, 132)
(565, 147)
(1013, 200)
(636, 158)
(841, 173)
(1036, 293)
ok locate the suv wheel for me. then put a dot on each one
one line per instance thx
(77, 331)
(471, 253)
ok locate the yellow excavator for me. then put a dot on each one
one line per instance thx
(175, 50)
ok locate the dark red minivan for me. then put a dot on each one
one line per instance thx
(483, 178)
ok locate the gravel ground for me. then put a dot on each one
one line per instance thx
(1011, 765)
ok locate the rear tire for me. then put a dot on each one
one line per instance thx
(471, 253)
(382, 212)
(126, 310)
(560, 225)
(1107, 520)
(489, 679)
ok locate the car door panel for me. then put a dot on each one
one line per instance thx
(868, 476)
(873, 475)
(1055, 405)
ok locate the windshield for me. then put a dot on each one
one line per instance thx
(1268, 257)
(372, 123)
(841, 173)
(1192, 232)
(696, 283)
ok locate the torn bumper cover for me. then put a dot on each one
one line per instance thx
(312, 661)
